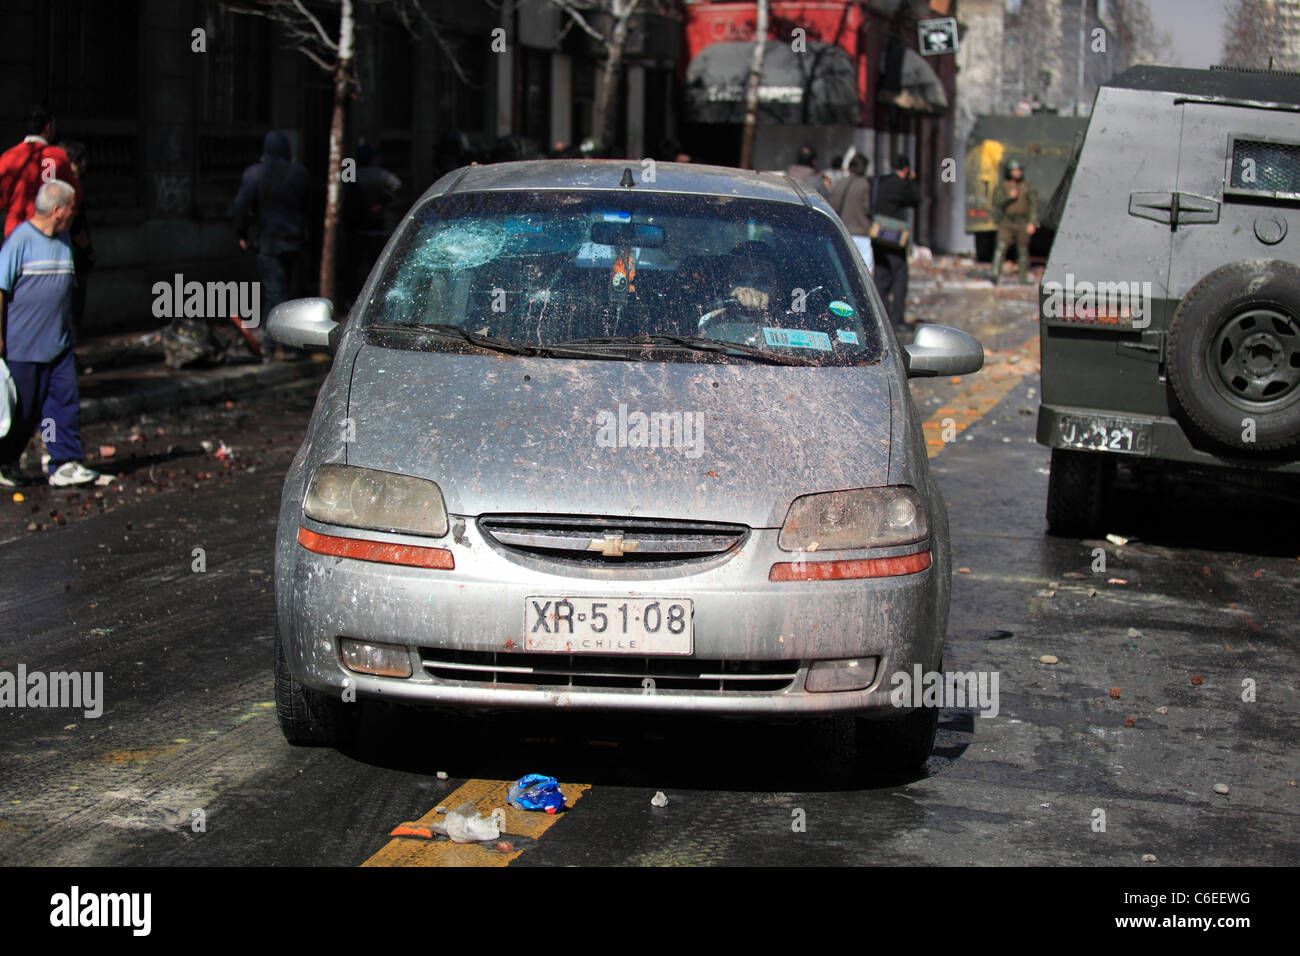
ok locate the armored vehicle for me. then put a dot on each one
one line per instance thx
(1170, 304)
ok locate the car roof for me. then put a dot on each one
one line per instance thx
(605, 174)
(1264, 86)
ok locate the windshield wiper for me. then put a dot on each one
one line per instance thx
(473, 338)
(488, 342)
(692, 343)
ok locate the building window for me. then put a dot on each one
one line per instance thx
(396, 70)
(236, 71)
(89, 42)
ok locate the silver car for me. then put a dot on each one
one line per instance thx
(600, 435)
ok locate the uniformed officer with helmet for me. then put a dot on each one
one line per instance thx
(1015, 210)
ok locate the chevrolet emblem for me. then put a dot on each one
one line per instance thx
(613, 545)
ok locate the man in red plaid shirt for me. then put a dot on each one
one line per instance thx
(25, 167)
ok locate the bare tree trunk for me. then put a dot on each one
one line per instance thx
(751, 87)
(342, 82)
(605, 108)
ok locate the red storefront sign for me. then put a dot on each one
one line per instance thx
(839, 24)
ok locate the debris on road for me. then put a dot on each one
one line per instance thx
(1116, 539)
(464, 825)
(660, 799)
(1197, 680)
(442, 775)
(963, 570)
(411, 830)
(536, 791)
(1220, 788)
(1148, 858)
(1114, 693)
(1134, 632)
(1049, 659)
(1130, 722)
(1162, 709)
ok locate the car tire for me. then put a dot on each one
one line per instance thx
(1078, 492)
(896, 744)
(1233, 354)
(309, 718)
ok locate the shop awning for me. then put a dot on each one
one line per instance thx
(910, 84)
(817, 87)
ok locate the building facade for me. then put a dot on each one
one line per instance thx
(173, 98)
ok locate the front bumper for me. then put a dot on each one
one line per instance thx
(477, 610)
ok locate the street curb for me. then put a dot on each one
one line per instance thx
(189, 389)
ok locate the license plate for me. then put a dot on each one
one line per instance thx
(588, 625)
(1106, 434)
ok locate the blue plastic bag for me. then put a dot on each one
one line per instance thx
(536, 791)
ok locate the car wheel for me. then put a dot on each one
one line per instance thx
(1234, 356)
(309, 718)
(898, 744)
(1078, 492)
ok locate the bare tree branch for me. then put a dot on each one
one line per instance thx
(320, 30)
(577, 17)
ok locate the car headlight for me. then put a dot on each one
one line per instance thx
(379, 500)
(861, 518)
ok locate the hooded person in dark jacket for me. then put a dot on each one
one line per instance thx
(271, 216)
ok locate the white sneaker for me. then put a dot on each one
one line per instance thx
(72, 473)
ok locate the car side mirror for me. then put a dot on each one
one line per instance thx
(304, 324)
(939, 350)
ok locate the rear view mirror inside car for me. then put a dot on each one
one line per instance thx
(627, 234)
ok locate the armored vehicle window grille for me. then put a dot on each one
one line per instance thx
(1262, 168)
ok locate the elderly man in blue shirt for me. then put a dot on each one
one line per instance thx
(36, 283)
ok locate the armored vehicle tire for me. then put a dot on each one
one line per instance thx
(1234, 356)
(309, 718)
(1078, 492)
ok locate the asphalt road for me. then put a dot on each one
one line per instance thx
(1135, 725)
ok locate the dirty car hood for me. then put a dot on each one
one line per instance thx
(514, 434)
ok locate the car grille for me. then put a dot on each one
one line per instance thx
(586, 540)
(608, 672)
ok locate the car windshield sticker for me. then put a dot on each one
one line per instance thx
(797, 339)
(844, 336)
(842, 309)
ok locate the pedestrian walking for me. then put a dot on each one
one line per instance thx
(893, 196)
(270, 215)
(24, 167)
(1015, 211)
(36, 280)
(805, 171)
(851, 200)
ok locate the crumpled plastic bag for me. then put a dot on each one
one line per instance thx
(464, 825)
(536, 791)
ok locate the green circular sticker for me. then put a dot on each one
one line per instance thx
(842, 309)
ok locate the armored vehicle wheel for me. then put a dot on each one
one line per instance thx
(1234, 356)
(1078, 492)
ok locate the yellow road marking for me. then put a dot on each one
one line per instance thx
(995, 380)
(486, 795)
